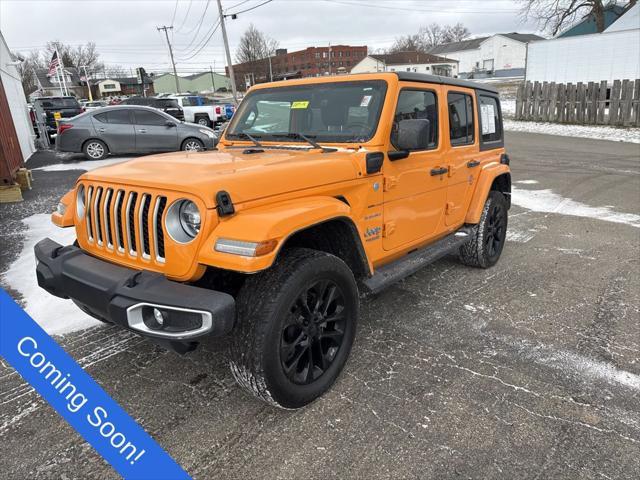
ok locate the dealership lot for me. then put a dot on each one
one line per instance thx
(530, 369)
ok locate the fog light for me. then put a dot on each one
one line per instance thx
(157, 314)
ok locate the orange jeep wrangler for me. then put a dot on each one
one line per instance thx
(321, 189)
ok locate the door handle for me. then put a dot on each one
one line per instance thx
(101, 130)
(142, 130)
(473, 163)
(439, 171)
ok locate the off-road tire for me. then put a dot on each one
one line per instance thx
(264, 306)
(91, 148)
(477, 253)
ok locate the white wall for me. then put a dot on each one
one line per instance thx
(586, 58)
(505, 53)
(17, 101)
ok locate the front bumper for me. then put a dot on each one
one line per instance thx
(128, 297)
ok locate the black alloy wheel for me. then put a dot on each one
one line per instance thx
(313, 332)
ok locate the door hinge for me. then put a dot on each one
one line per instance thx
(388, 228)
(389, 183)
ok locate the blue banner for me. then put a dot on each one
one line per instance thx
(79, 399)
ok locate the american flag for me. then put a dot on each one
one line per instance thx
(53, 64)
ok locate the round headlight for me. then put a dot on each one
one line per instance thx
(80, 201)
(183, 221)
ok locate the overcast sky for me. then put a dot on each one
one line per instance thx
(125, 31)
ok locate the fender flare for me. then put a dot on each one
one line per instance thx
(271, 222)
(487, 176)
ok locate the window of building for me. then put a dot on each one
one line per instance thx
(416, 105)
(325, 54)
(461, 125)
(317, 54)
(490, 122)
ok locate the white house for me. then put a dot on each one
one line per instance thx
(109, 88)
(500, 55)
(407, 62)
(611, 55)
(17, 101)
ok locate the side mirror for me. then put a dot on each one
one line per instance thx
(412, 134)
(169, 124)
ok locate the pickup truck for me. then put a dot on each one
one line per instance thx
(196, 112)
(48, 107)
(320, 190)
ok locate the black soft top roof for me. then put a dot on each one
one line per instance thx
(423, 77)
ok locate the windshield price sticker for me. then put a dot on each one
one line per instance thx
(365, 101)
(487, 113)
(300, 105)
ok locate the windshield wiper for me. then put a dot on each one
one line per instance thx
(249, 137)
(309, 139)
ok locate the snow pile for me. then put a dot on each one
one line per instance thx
(508, 107)
(55, 315)
(550, 202)
(631, 135)
(83, 164)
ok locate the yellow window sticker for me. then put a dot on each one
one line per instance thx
(300, 105)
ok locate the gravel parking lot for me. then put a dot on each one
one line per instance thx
(530, 369)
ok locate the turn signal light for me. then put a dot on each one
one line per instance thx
(245, 249)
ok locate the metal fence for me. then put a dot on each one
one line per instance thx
(582, 103)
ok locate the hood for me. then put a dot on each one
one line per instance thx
(244, 176)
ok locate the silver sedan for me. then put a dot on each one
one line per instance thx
(130, 129)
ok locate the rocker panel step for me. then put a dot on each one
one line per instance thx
(409, 264)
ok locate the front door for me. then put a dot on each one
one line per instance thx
(415, 187)
(462, 153)
(153, 134)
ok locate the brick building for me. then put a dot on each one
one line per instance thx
(311, 62)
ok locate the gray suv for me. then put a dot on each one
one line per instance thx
(130, 129)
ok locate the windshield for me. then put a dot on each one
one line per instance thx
(328, 112)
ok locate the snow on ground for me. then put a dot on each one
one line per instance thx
(550, 202)
(631, 135)
(55, 315)
(508, 107)
(83, 164)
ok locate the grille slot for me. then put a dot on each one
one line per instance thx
(89, 214)
(158, 238)
(126, 221)
(131, 223)
(143, 222)
(117, 215)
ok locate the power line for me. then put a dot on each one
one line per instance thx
(206, 42)
(186, 15)
(249, 9)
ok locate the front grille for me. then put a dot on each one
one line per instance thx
(128, 221)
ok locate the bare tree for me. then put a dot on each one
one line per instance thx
(555, 15)
(27, 69)
(429, 36)
(455, 33)
(255, 45)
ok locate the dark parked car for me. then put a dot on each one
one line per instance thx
(167, 105)
(67, 107)
(130, 129)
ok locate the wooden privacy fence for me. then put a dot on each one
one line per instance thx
(589, 103)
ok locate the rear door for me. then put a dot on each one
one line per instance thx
(462, 152)
(115, 127)
(153, 134)
(415, 187)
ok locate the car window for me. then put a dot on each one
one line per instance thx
(144, 117)
(60, 103)
(490, 119)
(119, 116)
(461, 125)
(165, 104)
(414, 105)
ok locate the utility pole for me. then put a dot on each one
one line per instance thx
(226, 48)
(175, 73)
(86, 77)
(213, 80)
